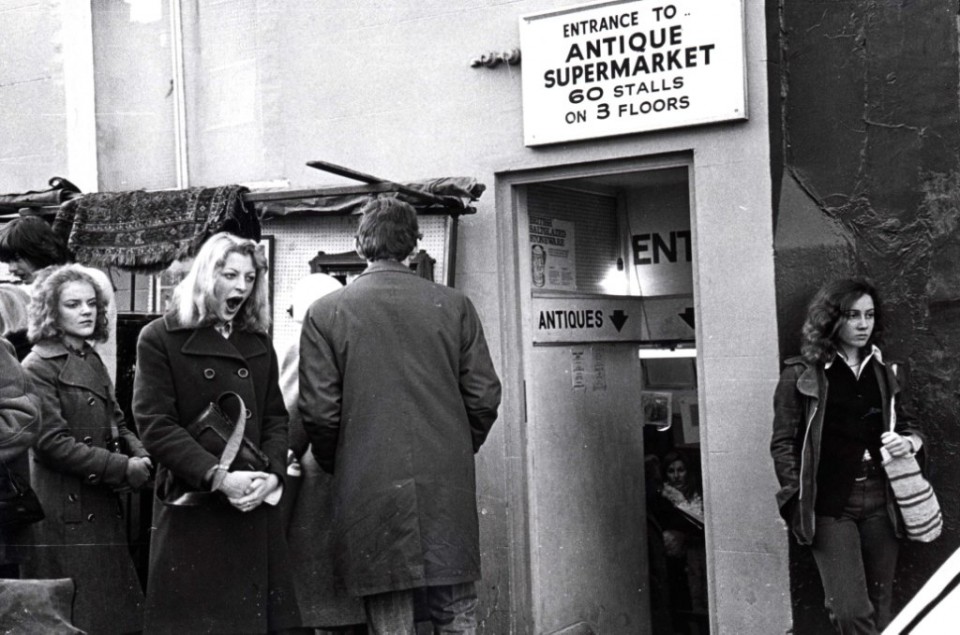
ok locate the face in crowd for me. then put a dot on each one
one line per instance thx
(677, 474)
(23, 269)
(235, 282)
(856, 324)
(77, 312)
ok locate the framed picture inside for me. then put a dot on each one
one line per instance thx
(657, 409)
(267, 242)
(689, 418)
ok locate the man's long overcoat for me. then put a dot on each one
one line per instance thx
(397, 393)
(212, 567)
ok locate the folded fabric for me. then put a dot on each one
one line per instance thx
(146, 231)
(915, 498)
(37, 606)
(451, 191)
(60, 190)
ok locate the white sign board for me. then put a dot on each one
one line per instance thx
(624, 66)
(575, 319)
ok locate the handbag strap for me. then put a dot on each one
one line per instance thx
(893, 408)
(236, 437)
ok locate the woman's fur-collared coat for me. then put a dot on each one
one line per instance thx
(213, 568)
(74, 473)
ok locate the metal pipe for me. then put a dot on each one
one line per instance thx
(179, 99)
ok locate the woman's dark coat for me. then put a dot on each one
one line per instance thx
(397, 393)
(323, 603)
(797, 430)
(213, 568)
(19, 421)
(84, 534)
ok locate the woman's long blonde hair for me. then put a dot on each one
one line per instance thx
(193, 298)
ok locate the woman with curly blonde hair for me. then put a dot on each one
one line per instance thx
(833, 408)
(85, 455)
(218, 552)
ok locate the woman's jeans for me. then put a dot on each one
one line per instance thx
(857, 557)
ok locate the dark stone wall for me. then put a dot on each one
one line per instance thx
(869, 184)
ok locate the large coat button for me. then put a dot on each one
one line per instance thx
(92, 478)
(243, 373)
(90, 517)
(91, 401)
(209, 373)
(246, 413)
(72, 497)
(88, 440)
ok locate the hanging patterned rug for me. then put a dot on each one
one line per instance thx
(146, 231)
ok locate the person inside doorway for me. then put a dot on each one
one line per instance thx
(683, 535)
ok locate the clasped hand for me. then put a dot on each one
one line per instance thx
(137, 474)
(246, 490)
(896, 444)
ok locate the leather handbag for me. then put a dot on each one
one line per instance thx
(19, 505)
(918, 504)
(213, 427)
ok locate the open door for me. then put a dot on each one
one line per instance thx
(594, 318)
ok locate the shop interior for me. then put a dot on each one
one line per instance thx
(593, 240)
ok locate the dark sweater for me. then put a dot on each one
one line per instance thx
(853, 422)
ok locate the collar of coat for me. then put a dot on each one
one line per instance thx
(380, 266)
(75, 371)
(205, 340)
(809, 380)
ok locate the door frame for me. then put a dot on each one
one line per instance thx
(515, 303)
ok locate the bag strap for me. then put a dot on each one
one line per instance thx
(229, 453)
(239, 426)
(893, 408)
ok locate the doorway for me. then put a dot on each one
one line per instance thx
(614, 524)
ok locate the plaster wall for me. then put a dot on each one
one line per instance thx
(32, 97)
(870, 187)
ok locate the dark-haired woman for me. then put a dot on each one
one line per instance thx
(219, 565)
(833, 408)
(84, 455)
(28, 245)
(683, 536)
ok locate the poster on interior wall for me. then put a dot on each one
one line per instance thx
(552, 254)
(657, 409)
(612, 68)
(689, 419)
(588, 369)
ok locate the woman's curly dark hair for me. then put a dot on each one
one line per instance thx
(45, 301)
(825, 315)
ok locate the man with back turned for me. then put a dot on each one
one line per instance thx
(397, 394)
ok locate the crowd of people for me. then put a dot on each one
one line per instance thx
(391, 392)
(358, 451)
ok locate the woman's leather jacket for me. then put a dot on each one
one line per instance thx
(798, 428)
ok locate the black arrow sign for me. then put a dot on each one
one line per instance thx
(618, 318)
(687, 316)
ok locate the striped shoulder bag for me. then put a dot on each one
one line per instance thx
(915, 498)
